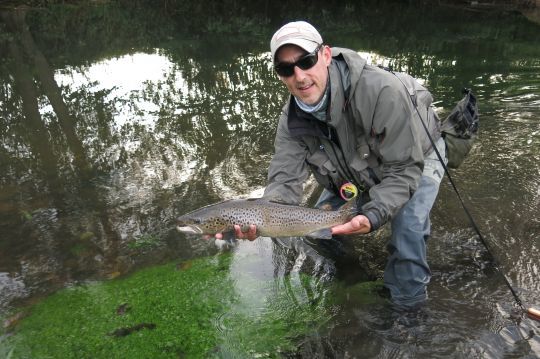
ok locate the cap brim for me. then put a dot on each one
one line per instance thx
(307, 45)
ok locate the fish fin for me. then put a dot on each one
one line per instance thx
(224, 245)
(227, 242)
(277, 200)
(284, 203)
(229, 236)
(325, 233)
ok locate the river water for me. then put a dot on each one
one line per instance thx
(111, 127)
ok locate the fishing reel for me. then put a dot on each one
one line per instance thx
(348, 191)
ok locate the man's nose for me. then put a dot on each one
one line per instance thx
(299, 74)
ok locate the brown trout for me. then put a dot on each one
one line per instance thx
(273, 219)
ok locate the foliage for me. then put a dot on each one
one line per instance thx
(115, 27)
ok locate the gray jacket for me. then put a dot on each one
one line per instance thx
(372, 137)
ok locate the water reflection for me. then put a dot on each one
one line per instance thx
(121, 78)
(156, 136)
(100, 154)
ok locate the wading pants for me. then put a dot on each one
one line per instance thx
(407, 272)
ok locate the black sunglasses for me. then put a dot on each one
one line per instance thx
(305, 63)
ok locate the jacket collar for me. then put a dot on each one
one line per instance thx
(354, 62)
(301, 123)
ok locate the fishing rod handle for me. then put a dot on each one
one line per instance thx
(534, 313)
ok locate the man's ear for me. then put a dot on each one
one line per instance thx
(327, 55)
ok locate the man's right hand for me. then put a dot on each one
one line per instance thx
(250, 235)
(358, 224)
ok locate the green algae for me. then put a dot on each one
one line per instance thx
(144, 241)
(197, 309)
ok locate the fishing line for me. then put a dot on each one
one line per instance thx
(532, 312)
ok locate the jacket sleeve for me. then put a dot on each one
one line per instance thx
(288, 169)
(394, 131)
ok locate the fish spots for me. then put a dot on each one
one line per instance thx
(271, 218)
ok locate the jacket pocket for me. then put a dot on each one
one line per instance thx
(320, 161)
(366, 165)
(360, 159)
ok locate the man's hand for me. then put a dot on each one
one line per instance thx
(358, 224)
(250, 235)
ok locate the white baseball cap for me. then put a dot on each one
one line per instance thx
(299, 33)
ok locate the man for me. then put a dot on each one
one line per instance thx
(354, 125)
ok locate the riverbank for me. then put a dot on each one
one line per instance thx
(529, 8)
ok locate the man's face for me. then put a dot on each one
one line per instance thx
(306, 85)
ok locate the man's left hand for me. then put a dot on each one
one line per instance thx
(358, 224)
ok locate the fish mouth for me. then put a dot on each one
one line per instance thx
(189, 229)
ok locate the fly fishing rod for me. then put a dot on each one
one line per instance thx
(532, 312)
